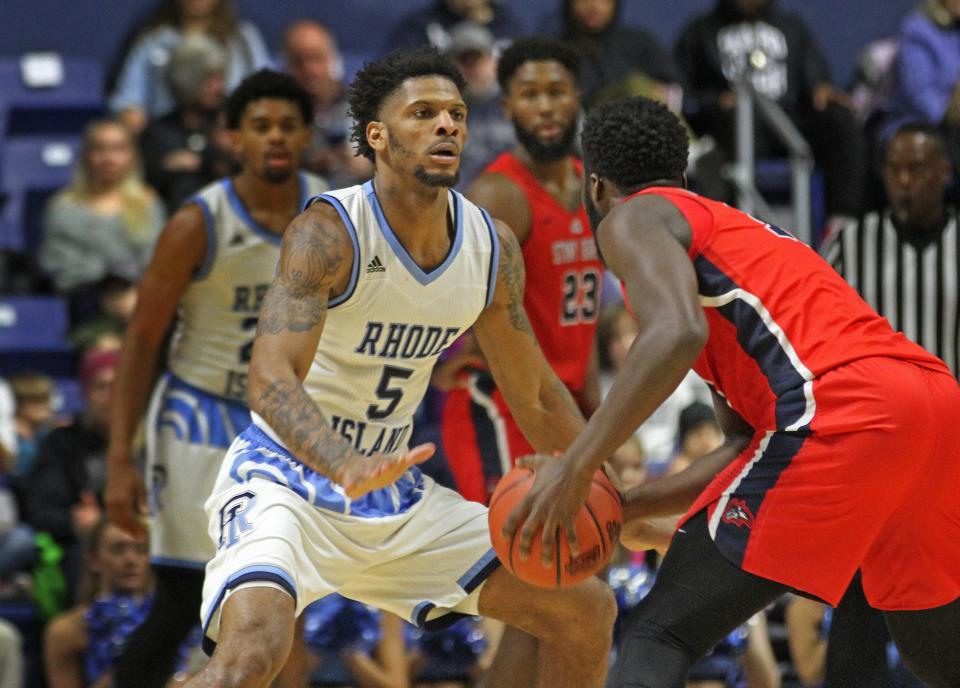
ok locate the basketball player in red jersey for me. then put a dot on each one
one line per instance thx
(841, 452)
(536, 190)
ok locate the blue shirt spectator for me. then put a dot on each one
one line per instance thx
(142, 92)
(928, 68)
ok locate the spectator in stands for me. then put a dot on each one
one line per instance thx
(617, 61)
(176, 148)
(63, 490)
(432, 24)
(81, 644)
(356, 644)
(904, 262)
(142, 92)
(106, 220)
(33, 417)
(8, 425)
(313, 59)
(116, 299)
(698, 434)
(473, 49)
(897, 258)
(927, 84)
(17, 548)
(11, 656)
(807, 628)
(776, 52)
(658, 434)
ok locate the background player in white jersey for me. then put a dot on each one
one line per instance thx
(374, 282)
(211, 267)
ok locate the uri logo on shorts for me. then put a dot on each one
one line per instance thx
(233, 521)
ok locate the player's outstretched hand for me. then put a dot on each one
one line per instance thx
(554, 501)
(366, 474)
(125, 498)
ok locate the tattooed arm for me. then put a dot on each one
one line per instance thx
(316, 258)
(538, 400)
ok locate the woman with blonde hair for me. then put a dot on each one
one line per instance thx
(106, 221)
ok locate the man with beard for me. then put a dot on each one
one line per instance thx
(321, 493)
(210, 269)
(535, 189)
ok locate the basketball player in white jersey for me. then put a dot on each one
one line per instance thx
(211, 267)
(320, 493)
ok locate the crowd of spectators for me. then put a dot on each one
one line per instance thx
(162, 138)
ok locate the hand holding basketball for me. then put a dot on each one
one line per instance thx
(568, 527)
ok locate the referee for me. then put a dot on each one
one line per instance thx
(905, 262)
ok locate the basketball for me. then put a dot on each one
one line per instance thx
(598, 525)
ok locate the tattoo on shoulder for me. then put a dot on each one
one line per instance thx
(310, 259)
(514, 279)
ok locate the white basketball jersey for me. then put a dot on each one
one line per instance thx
(217, 317)
(384, 334)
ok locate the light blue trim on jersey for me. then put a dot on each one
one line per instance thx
(178, 563)
(241, 211)
(208, 227)
(199, 417)
(304, 198)
(408, 262)
(494, 256)
(480, 571)
(256, 455)
(258, 572)
(352, 232)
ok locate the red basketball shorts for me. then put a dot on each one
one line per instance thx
(480, 438)
(875, 486)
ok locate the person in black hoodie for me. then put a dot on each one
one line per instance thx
(432, 25)
(783, 62)
(62, 494)
(617, 61)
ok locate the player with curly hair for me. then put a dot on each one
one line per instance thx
(841, 445)
(321, 494)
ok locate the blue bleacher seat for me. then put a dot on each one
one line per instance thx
(64, 108)
(31, 169)
(67, 397)
(37, 162)
(32, 323)
(33, 335)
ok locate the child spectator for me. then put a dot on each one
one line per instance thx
(33, 417)
(82, 643)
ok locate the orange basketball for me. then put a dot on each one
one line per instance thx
(598, 525)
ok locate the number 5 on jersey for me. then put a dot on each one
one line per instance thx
(390, 394)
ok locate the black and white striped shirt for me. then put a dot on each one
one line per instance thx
(910, 280)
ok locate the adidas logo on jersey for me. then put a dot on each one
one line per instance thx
(375, 265)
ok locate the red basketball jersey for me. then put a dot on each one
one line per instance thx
(779, 317)
(564, 275)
